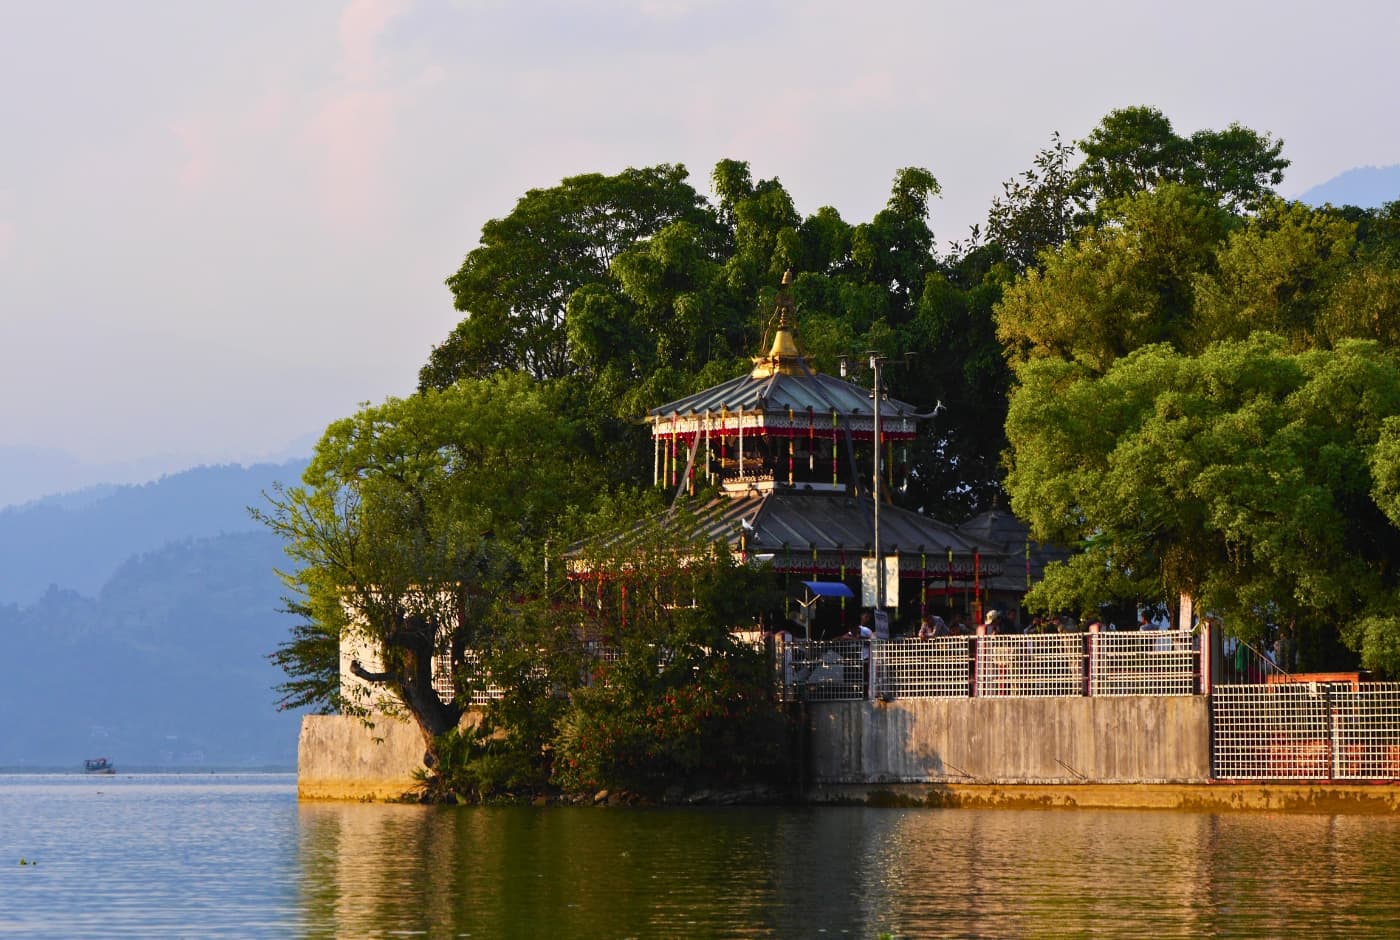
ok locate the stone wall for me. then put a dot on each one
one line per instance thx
(339, 758)
(1129, 739)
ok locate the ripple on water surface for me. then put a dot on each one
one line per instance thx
(236, 856)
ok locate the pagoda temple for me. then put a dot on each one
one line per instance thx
(792, 453)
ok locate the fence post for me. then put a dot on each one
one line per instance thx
(975, 674)
(1334, 758)
(871, 649)
(1091, 640)
(1205, 656)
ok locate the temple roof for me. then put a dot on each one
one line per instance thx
(782, 380)
(792, 524)
(1025, 558)
(835, 522)
(781, 391)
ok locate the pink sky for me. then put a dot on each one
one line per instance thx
(224, 224)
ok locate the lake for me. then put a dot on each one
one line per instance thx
(226, 855)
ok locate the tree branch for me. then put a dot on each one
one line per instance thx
(368, 676)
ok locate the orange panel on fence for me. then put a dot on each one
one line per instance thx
(1354, 678)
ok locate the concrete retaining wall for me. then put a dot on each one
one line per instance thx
(1130, 739)
(339, 758)
(1195, 797)
(1142, 753)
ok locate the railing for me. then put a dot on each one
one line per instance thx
(1366, 731)
(1153, 662)
(1306, 731)
(1030, 666)
(938, 668)
(1020, 666)
(824, 671)
(1002, 666)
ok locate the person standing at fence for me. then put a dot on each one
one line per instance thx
(932, 627)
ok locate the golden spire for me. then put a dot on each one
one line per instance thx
(783, 356)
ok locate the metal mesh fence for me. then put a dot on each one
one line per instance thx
(1271, 732)
(823, 671)
(1031, 665)
(937, 668)
(472, 671)
(1151, 662)
(1367, 731)
(1024, 665)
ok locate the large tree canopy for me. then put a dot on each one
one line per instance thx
(515, 287)
(1132, 151)
(1119, 287)
(1200, 404)
(631, 290)
(1135, 150)
(1241, 476)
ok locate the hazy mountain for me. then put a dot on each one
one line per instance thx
(1366, 186)
(165, 667)
(28, 474)
(77, 541)
(135, 622)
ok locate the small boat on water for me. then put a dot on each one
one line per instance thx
(98, 765)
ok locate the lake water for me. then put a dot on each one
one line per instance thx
(237, 856)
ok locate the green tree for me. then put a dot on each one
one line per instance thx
(515, 286)
(895, 249)
(532, 661)
(1119, 287)
(415, 518)
(1135, 150)
(1278, 274)
(954, 466)
(1036, 209)
(1242, 476)
(311, 659)
(1131, 151)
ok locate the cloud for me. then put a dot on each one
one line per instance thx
(350, 131)
(349, 135)
(196, 167)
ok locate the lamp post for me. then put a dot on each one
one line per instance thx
(877, 366)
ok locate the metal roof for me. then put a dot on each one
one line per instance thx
(802, 521)
(1025, 558)
(777, 393)
(792, 525)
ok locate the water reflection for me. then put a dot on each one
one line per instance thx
(371, 870)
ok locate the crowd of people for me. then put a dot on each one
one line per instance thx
(933, 626)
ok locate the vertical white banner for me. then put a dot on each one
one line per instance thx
(867, 581)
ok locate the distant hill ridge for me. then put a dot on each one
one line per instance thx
(166, 667)
(1368, 187)
(78, 540)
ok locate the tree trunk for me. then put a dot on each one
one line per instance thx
(411, 680)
